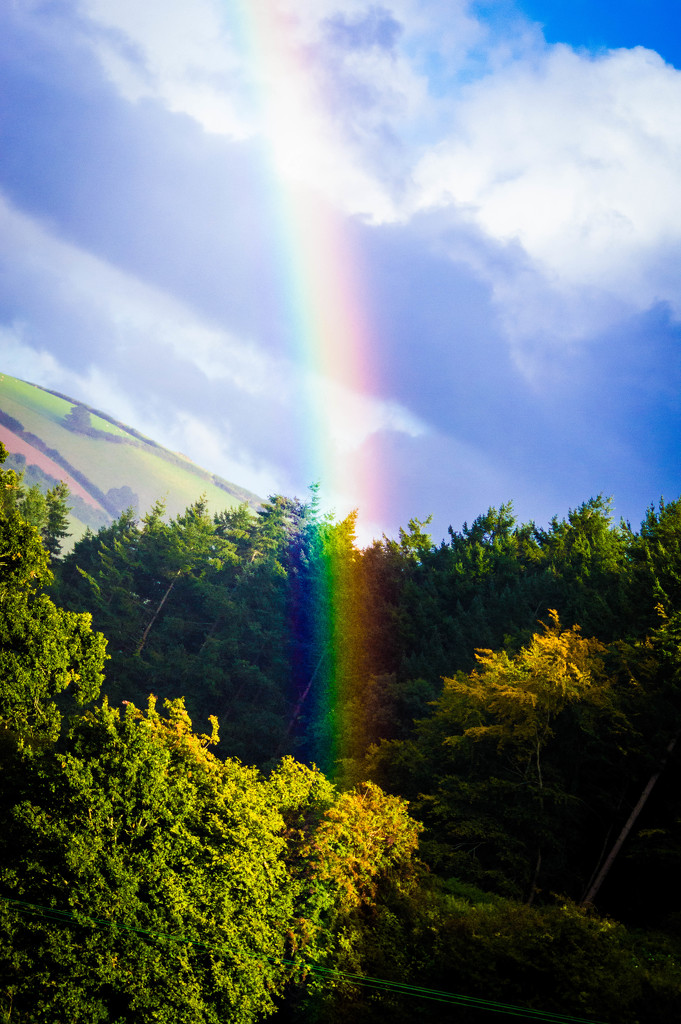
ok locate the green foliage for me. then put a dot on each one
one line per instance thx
(361, 835)
(78, 420)
(56, 518)
(194, 606)
(511, 771)
(132, 826)
(523, 764)
(131, 820)
(656, 562)
(44, 650)
(557, 959)
(522, 695)
(44, 509)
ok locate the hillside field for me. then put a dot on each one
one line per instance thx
(107, 465)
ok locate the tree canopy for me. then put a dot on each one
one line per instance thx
(518, 685)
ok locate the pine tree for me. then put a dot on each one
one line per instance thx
(56, 525)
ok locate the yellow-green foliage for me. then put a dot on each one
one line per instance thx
(133, 822)
(44, 650)
(519, 697)
(362, 835)
(136, 829)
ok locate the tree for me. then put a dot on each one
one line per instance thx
(588, 558)
(44, 650)
(659, 723)
(169, 864)
(47, 512)
(34, 508)
(349, 851)
(209, 608)
(520, 698)
(655, 556)
(78, 420)
(56, 518)
(524, 694)
(191, 889)
(502, 770)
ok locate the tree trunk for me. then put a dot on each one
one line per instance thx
(537, 867)
(218, 622)
(631, 821)
(163, 600)
(299, 706)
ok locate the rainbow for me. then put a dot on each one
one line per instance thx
(318, 269)
(331, 339)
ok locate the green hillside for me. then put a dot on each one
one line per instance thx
(107, 465)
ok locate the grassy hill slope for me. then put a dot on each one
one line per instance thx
(107, 465)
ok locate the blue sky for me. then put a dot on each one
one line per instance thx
(653, 24)
(505, 177)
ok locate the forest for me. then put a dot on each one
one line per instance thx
(252, 770)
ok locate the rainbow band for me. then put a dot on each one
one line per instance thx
(322, 302)
(320, 295)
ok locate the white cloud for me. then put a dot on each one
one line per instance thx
(339, 114)
(225, 455)
(181, 54)
(353, 417)
(21, 359)
(551, 173)
(208, 446)
(574, 157)
(113, 318)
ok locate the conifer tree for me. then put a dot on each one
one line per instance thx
(44, 650)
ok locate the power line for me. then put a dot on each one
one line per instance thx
(378, 984)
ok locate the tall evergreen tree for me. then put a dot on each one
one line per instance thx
(44, 650)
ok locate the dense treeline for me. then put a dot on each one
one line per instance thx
(517, 685)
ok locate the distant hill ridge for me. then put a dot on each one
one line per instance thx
(107, 465)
